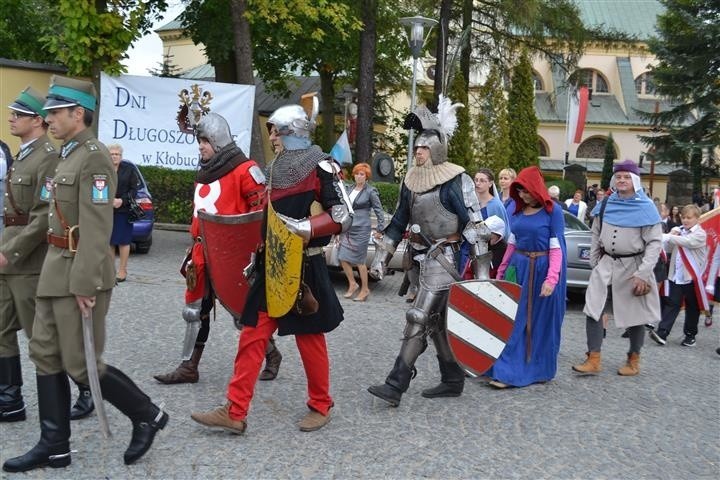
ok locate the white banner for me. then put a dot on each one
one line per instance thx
(140, 114)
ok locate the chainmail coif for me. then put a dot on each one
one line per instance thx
(290, 167)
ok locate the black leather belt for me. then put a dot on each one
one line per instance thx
(615, 256)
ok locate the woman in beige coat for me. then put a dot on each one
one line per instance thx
(625, 247)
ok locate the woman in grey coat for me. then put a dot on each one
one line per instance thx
(353, 244)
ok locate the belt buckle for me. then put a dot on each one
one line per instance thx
(72, 244)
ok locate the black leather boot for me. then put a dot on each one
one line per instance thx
(396, 383)
(146, 417)
(84, 405)
(53, 449)
(452, 381)
(12, 406)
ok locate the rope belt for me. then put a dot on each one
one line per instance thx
(16, 220)
(531, 288)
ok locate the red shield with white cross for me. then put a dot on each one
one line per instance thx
(480, 319)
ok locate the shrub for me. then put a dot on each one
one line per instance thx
(389, 194)
(172, 192)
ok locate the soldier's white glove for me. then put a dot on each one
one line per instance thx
(300, 227)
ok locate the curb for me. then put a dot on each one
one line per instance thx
(174, 227)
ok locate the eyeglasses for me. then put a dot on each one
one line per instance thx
(15, 115)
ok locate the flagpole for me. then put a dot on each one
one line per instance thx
(567, 126)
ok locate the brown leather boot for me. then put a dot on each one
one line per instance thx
(591, 365)
(186, 372)
(632, 366)
(272, 362)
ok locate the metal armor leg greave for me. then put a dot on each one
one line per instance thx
(191, 315)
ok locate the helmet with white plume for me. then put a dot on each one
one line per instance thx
(435, 129)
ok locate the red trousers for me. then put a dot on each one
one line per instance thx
(250, 356)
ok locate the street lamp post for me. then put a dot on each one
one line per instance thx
(416, 40)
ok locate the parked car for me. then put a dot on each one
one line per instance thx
(577, 239)
(143, 228)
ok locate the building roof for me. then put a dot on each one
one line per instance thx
(634, 17)
(175, 24)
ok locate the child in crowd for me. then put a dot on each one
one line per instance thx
(688, 250)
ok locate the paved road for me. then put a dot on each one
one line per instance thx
(663, 424)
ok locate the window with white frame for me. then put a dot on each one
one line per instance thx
(644, 84)
(587, 77)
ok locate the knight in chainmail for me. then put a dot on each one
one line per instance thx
(240, 185)
(437, 199)
(305, 193)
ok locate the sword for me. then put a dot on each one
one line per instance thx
(93, 378)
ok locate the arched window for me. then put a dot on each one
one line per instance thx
(590, 78)
(644, 84)
(543, 147)
(537, 82)
(593, 148)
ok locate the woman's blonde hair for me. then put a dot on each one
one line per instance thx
(508, 171)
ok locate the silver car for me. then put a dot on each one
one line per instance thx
(577, 238)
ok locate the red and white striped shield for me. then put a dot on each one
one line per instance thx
(480, 318)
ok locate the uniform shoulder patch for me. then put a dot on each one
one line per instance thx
(46, 189)
(49, 147)
(92, 146)
(100, 189)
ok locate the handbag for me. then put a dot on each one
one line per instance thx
(306, 303)
(135, 211)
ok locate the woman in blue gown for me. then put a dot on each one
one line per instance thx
(536, 253)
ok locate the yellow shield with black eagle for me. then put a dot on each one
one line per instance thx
(283, 265)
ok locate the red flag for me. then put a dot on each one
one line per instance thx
(577, 114)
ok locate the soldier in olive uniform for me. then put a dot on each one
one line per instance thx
(76, 279)
(23, 246)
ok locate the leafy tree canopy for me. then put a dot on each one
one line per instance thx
(22, 24)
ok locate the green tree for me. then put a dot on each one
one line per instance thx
(167, 68)
(523, 121)
(493, 123)
(461, 151)
(93, 36)
(608, 160)
(686, 73)
(22, 25)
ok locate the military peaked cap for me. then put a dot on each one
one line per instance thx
(29, 102)
(68, 92)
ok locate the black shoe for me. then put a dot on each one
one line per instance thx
(444, 390)
(386, 392)
(688, 341)
(452, 381)
(84, 405)
(660, 337)
(53, 449)
(143, 435)
(12, 405)
(53, 456)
